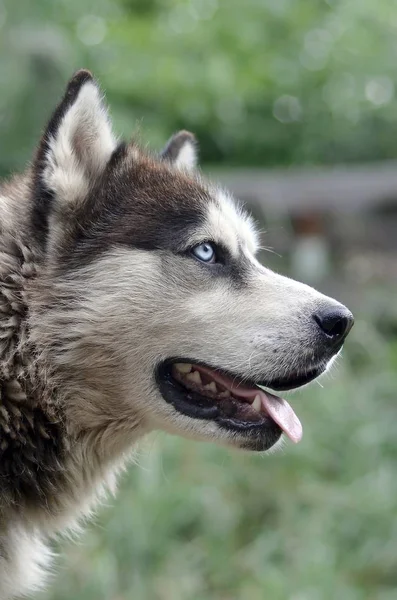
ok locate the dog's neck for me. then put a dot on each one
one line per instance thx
(46, 483)
(29, 435)
(17, 267)
(40, 447)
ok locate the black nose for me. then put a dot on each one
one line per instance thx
(335, 322)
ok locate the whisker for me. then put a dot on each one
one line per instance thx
(268, 249)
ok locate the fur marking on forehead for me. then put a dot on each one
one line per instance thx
(227, 223)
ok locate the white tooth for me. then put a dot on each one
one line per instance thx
(194, 377)
(257, 403)
(183, 367)
(211, 387)
(225, 394)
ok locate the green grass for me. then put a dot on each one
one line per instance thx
(317, 521)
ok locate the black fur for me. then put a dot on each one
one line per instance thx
(140, 205)
(30, 452)
(137, 203)
(32, 438)
(42, 197)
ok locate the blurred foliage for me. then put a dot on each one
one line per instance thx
(261, 82)
(317, 521)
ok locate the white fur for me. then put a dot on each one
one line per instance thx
(81, 147)
(227, 224)
(91, 338)
(187, 157)
(27, 562)
(190, 318)
(115, 320)
(7, 218)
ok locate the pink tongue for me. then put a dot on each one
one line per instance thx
(277, 408)
(281, 412)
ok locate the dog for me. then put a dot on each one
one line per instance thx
(131, 301)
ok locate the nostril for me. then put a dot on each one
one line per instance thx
(336, 324)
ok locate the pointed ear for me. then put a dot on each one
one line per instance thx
(181, 150)
(77, 143)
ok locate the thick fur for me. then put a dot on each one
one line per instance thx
(97, 288)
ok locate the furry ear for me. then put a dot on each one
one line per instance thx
(77, 143)
(181, 150)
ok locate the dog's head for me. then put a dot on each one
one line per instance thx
(157, 311)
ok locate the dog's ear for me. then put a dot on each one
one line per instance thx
(77, 143)
(181, 150)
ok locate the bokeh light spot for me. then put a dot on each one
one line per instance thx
(203, 9)
(379, 90)
(91, 30)
(287, 109)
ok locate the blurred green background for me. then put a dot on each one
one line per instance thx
(262, 83)
(259, 81)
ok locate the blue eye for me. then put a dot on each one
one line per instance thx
(205, 252)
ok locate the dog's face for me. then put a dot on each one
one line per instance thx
(169, 312)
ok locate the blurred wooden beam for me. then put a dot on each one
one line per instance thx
(342, 189)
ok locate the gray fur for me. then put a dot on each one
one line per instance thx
(96, 289)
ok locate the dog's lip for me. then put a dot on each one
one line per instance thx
(259, 435)
(199, 406)
(273, 406)
(293, 382)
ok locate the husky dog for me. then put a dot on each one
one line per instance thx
(131, 300)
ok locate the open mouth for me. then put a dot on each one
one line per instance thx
(204, 392)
